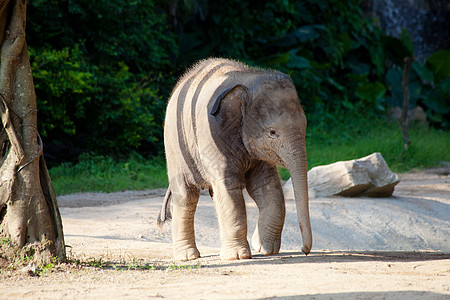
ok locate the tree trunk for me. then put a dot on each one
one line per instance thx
(404, 117)
(30, 222)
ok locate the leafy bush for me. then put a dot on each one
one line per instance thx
(64, 86)
(429, 83)
(104, 69)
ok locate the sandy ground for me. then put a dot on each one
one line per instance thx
(364, 248)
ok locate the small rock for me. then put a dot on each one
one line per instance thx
(30, 268)
(3, 262)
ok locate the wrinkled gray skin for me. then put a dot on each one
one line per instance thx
(227, 127)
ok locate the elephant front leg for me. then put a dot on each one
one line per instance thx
(263, 185)
(184, 204)
(230, 207)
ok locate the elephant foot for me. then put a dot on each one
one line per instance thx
(266, 246)
(186, 254)
(238, 252)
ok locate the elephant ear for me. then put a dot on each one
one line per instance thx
(228, 106)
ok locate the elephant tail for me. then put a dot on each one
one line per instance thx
(164, 214)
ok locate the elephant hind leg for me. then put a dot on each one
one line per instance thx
(184, 204)
(263, 185)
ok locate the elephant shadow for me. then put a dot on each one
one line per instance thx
(326, 256)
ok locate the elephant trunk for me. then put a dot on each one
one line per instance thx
(296, 163)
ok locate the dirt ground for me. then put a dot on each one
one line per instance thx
(364, 248)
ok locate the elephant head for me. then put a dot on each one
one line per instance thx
(273, 126)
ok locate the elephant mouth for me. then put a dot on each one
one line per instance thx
(272, 156)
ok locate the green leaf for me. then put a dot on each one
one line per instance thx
(276, 59)
(436, 106)
(424, 73)
(371, 91)
(335, 84)
(415, 91)
(439, 63)
(394, 79)
(378, 59)
(345, 41)
(359, 68)
(308, 33)
(406, 39)
(437, 99)
(380, 104)
(395, 49)
(298, 62)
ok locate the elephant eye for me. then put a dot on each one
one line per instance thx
(273, 133)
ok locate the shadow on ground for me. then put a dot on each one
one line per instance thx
(287, 257)
(410, 295)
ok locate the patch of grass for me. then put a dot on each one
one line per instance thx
(128, 264)
(21, 261)
(48, 268)
(136, 264)
(104, 174)
(429, 146)
(184, 267)
(100, 263)
(27, 263)
(325, 144)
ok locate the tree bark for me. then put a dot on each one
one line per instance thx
(29, 215)
(426, 21)
(404, 116)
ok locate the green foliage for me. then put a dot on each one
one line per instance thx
(26, 263)
(64, 86)
(439, 63)
(48, 268)
(127, 264)
(429, 87)
(197, 265)
(371, 92)
(104, 69)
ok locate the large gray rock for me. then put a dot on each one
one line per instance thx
(426, 21)
(367, 176)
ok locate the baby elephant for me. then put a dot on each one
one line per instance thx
(227, 127)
